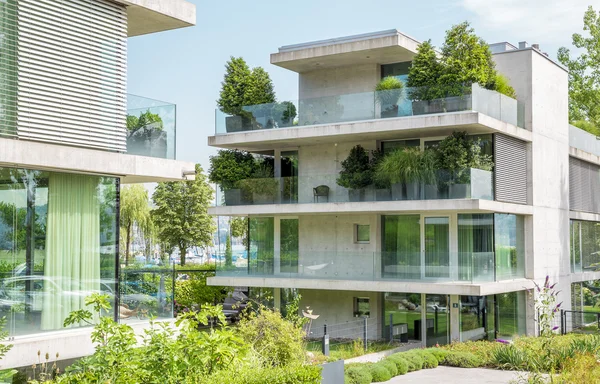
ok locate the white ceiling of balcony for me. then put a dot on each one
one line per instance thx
(382, 47)
(151, 16)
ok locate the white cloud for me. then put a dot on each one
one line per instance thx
(547, 22)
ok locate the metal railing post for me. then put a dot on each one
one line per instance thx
(325, 343)
(391, 327)
(562, 322)
(365, 332)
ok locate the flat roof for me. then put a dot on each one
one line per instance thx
(151, 16)
(389, 46)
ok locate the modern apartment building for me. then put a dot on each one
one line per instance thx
(70, 136)
(440, 261)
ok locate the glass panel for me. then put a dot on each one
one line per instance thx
(575, 246)
(401, 256)
(363, 233)
(510, 246)
(395, 69)
(510, 312)
(289, 245)
(437, 321)
(151, 126)
(57, 245)
(391, 146)
(474, 320)
(437, 246)
(261, 245)
(476, 247)
(289, 177)
(405, 310)
(362, 307)
(145, 293)
(589, 237)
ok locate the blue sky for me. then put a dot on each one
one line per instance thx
(186, 66)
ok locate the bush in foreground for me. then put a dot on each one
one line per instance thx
(415, 359)
(462, 360)
(358, 374)
(379, 373)
(401, 363)
(390, 366)
(303, 374)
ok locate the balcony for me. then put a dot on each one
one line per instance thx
(467, 184)
(431, 266)
(369, 106)
(151, 126)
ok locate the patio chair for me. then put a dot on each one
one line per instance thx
(320, 191)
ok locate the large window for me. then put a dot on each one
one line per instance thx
(476, 247)
(509, 234)
(57, 245)
(585, 246)
(261, 246)
(401, 256)
(289, 245)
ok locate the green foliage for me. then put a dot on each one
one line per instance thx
(379, 373)
(429, 360)
(438, 353)
(356, 170)
(358, 374)
(134, 211)
(400, 362)
(415, 359)
(181, 214)
(390, 366)
(243, 87)
(389, 90)
(228, 167)
(4, 348)
(465, 59)
(275, 341)
(228, 253)
(462, 359)
(145, 125)
(406, 166)
(587, 126)
(582, 369)
(584, 72)
(458, 152)
(510, 357)
(305, 374)
(194, 291)
(546, 307)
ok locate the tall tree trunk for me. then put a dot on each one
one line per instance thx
(182, 251)
(127, 244)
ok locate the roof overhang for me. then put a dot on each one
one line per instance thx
(377, 129)
(449, 288)
(151, 16)
(383, 47)
(61, 158)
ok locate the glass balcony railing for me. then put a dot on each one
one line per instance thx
(437, 266)
(151, 127)
(466, 184)
(372, 105)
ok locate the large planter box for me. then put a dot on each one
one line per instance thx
(263, 198)
(233, 124)
(460, 191)
(397, 191)
(233, 197)
(355, 195)
(383, 194)
(413, 191)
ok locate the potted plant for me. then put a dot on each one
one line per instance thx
(227, 169)
(356, 173)
(388, 93)
(404, 169)
(456, 155)
(382, 185)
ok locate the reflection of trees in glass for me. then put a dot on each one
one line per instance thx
(146, 132)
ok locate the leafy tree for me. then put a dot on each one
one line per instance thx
(181, 214)
(135, 211)
(147, 122)
(242, 86)
(356, 170)
(424, 72)
(584, 74)
(229, 167)
(228, 252)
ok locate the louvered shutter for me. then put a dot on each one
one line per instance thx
(510, 173)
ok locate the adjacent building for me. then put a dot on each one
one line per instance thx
(70, 137)
(439, 260)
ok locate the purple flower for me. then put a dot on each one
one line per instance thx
(547, 281)
(552, 286)
(555, 328)
(503, 341)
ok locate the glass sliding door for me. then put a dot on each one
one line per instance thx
(436, 238)
(289, 177)
(437, 320)
(510, 246)
(261, 245)
(401, 249)
(288, 245)
(476, 247)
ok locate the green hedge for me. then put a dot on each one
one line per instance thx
(379, 373)
(306, 374)
(358, 374)
(462, 359)
(401, 363)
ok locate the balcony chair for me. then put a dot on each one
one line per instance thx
(320, 191)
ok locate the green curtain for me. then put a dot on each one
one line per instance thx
(72, 268)
(401, 256)
(476, 247)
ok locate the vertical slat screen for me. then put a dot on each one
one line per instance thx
(584, 184)
(510, 181)
(8, 67)
(72, 72)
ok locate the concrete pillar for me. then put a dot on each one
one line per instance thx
(454, 318)
(277, 245)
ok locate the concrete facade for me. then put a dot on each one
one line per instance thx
(340, 67)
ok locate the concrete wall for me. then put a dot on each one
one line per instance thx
(339, 81)
(336, 309)
(543, 86)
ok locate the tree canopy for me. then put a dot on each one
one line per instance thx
(135, 211)
(242, 86)
(181, 214)
(465, 58)
(584, 74)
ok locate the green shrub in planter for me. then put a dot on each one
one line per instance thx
(356, 173)
(440, 354)
(415, 359)
(388, 93)
(462, 360)
(401, 363)
(379, 373)
(358, 374)
(390, 366)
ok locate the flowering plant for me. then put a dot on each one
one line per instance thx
(546, 307)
